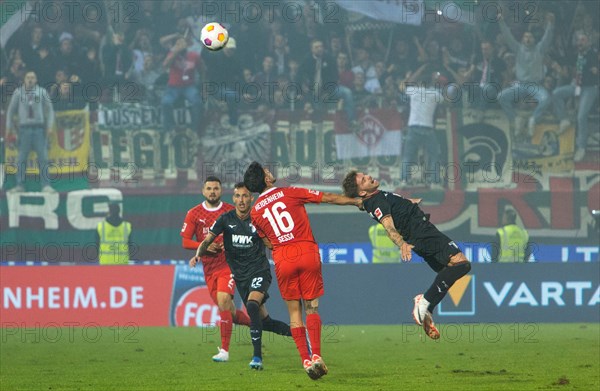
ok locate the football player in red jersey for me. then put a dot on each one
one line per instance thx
(217, 274)
(280, 218)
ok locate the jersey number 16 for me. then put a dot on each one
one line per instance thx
(281, 221)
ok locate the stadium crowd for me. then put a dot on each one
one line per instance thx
(146, 54)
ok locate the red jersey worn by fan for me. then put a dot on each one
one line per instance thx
(279, 214)
(197, 223)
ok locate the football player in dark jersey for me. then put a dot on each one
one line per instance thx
(410, 229)
(245, 254)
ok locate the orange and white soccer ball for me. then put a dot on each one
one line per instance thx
(214, 36)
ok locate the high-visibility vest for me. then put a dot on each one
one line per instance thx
(384, 250)
(513, 241)
(114, 243)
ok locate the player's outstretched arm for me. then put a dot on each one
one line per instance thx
(338, 199)
(205, 246)
(394, 235)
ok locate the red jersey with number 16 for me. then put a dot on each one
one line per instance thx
(279, 214)
(197, 222)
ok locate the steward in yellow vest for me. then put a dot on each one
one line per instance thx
(384, 250)
(114, 237)
(511, 241)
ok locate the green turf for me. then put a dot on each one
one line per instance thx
(397, 357)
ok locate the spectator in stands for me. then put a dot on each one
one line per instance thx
(345, 75)
(365, 66)
(145, 81)
(225, 71)
(509, 76)
(16, 70)
(68, 56)
(486, 76)
(91, 71)
(60, 77)
(183, 66)
(254, 40)
(529, 72)
(335, 46)
(585, 86)
(512, 241)
(294, 83)
(391, 96)
(248, 76)
(69, 97)
(500, 46)
(89, 26)
(373, 85)
(32, 107)
(436, 59)
(429, 52)
(44, 65)
(279, 99)
(267, 75)
(29, 51)
(358, 91)
(459, 55)
(181, 29)
(280, 54)
(424, 99)
(402, 59)
(140, 48)
(588, 28)
(319, 75)
(293, 72)
(117, 60)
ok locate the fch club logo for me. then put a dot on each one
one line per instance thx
(191, 304)
(196, 308)
(462, 298)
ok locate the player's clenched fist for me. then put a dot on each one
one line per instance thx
(194, 261)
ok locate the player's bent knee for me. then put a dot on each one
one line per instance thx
(311, 306)
(252, 306)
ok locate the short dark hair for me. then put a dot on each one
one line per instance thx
(239, 185)
(212, 178)
(511, 216)
(114, 208)
(254, 178)
(349, 184)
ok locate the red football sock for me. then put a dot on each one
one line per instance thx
(241, 318)
(299, 335)
(313, 325)
(226, 326)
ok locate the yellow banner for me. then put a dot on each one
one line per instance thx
(69, 146)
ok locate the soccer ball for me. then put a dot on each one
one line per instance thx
(214, 36)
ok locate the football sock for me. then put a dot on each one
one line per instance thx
(299, 335)
(226, 325)
(443, 281)
(256, 326)
(313, 326)
(240, 317)
(276, 326)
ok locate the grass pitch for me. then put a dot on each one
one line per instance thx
(395, 357)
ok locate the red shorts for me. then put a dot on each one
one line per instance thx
(220, 281)
(298, 271)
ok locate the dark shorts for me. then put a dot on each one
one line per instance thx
(259, 282)
(435, 247)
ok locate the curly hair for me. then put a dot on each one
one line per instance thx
(349, 184)
(254, 178)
